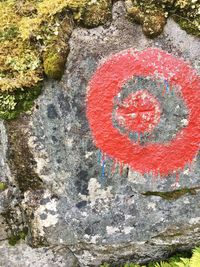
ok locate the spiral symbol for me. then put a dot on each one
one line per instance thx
(116, 116)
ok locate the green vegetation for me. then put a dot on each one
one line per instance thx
(153, 14)
(33, 32)
(15, 238)
(176, 261)
(15, 229)
(3, 186)
(94, 13)
(173, 195)
(13, 103)
(34, 37)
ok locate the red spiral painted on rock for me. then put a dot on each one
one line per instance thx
(105, 85)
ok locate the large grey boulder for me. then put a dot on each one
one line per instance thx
(60, 192)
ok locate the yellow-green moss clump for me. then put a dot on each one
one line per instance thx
(55, 54)
(34, 37)
(152, 14)
(3, 186)
(91, 13)
(54, 63)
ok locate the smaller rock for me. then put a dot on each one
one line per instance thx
(25, 256)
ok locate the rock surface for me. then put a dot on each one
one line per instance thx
(22, 255)
(55, 182)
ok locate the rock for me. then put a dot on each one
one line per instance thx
(24, 256)
(68, 201)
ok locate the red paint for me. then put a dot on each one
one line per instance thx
(107, 83)
(139, 112)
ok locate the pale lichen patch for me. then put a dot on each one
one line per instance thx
(112, 230)
(45, 214)
(194, 220)
(97, 192)
(128, 230)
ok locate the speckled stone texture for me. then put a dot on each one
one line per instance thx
(99, 219)
(22, 255)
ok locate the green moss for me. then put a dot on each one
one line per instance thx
(15, 227)
(55, 56)
(153, 24)
(152, 14)
(96, 13)
(34, 37)
(36, 23)
(3, 186)
(13, 103)
(9, 33)
(134, 12)
(12, 240)
(148, 13)
(190, 26)
(173, 195)
(187, 15)
(16, 237)
(54, 64)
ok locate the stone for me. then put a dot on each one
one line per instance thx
(68, 201)
(23, 255)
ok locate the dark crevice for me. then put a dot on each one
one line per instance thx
(20, 158)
